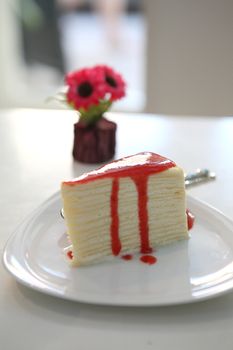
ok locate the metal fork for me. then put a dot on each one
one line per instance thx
(198, 177)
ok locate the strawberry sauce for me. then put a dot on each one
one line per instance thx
(190, 219)
(115, 239)
(148, 259)
(69, 254)
(127, 257)
(141, 185)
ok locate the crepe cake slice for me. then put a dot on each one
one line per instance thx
(133, 204)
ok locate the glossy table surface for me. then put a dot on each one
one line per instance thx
(35, 157)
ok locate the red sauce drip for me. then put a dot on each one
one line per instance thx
(115, 239)
(70, 254)
(190, 219)
(141, 184)
(148, 259)
(127, 257)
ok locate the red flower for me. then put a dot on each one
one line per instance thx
(90, 87)
(114, 83)
(85, 88)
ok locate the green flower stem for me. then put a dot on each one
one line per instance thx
(94, 112)
(88, 116)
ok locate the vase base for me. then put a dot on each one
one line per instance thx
(94, 143)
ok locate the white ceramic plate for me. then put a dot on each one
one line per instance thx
(186, 271)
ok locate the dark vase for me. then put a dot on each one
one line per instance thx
(94, 143)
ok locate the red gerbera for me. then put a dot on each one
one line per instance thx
(113, 81)
(85, 88)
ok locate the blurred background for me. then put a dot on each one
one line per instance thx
(176, 55)
(43, 39)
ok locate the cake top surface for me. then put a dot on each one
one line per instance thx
(144, 163)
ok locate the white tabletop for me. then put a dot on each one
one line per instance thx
(35, 157)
